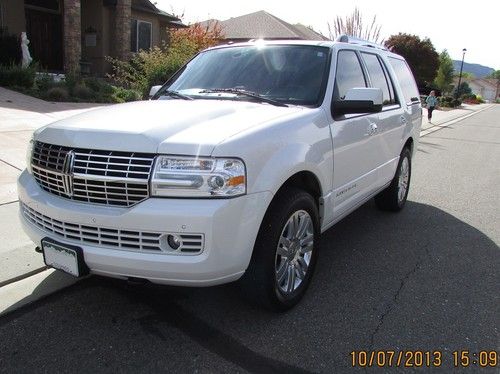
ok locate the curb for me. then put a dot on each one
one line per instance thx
(23, 276)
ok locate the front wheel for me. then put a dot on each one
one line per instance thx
(285, 251)
(393, 198)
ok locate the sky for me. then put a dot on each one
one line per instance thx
(451, 25)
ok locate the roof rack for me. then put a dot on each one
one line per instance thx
(354, 40)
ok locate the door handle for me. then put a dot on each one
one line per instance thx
(403, 120)
(372, 129)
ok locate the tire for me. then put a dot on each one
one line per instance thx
(393, 198)
(285, 251)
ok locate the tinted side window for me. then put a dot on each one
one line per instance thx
(377, 76)
(390, 82)
(406, 80)
(348, 73)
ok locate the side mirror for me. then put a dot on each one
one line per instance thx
(153, 91)
(359, 100)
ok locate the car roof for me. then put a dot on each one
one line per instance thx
(355, 44)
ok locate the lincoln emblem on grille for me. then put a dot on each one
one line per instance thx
(67, 173)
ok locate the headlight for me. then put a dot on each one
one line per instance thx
(198, 177)
(29, 154)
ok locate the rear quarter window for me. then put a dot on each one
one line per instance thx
(406, 80)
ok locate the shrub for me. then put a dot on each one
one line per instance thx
(122, 95)
(448, 102)
(43, 82)
(99, 86)
(81, 91)
(15, 75)
(72, 79)
(57, 94)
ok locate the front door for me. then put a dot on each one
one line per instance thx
(356, 154)
(44, 30)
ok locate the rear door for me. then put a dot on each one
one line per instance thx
(408, 93)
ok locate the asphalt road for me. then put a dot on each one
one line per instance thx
(427, 278)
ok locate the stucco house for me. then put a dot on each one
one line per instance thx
(261, 25)
(71, 35)
(488, 89)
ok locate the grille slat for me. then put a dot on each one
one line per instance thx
(77, 153)
(100, 177)
(139, 241)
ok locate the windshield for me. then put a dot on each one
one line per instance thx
(290, 74)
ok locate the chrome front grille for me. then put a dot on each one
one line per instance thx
(93, 176)
(131, 240)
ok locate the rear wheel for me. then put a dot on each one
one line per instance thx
(285, 251)
(393, 198)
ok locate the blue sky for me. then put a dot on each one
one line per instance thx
(449, 24)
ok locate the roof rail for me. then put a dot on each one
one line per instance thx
(354, 40)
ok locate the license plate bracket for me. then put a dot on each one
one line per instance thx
(65, 257)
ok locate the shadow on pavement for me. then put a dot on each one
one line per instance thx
(420, 279)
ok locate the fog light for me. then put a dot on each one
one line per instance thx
(174, 241)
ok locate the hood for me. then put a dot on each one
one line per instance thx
(162, 126)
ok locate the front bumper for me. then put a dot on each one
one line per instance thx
(229, 227)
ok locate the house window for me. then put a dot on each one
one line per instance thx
(141, 35)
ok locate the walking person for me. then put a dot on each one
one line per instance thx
(431, 103)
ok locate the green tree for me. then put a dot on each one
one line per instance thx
(419, 53)
(353, 25)
(495, 75)
(465, 74)
(444, 78)
(464, 89)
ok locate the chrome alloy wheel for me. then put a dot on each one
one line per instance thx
(294, 251)
(404, 177)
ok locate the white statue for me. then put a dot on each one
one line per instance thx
(26, 52)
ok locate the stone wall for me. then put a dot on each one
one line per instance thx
(72, 35)
(121, 37)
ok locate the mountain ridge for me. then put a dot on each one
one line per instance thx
(478, 70)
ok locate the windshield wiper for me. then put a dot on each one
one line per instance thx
(176, 94)
(251, 94)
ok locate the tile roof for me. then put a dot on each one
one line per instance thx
(263, 25)
(148, 7)
(484, 82)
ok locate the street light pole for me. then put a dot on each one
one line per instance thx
(460, 76)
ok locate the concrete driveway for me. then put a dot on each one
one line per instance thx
(20, 115)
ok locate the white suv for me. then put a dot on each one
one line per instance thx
(231, 171)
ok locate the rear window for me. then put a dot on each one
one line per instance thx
(378, 77)
(406, 80)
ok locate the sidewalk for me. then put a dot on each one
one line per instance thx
(23, 275)
(20, 115)
(442, 116)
